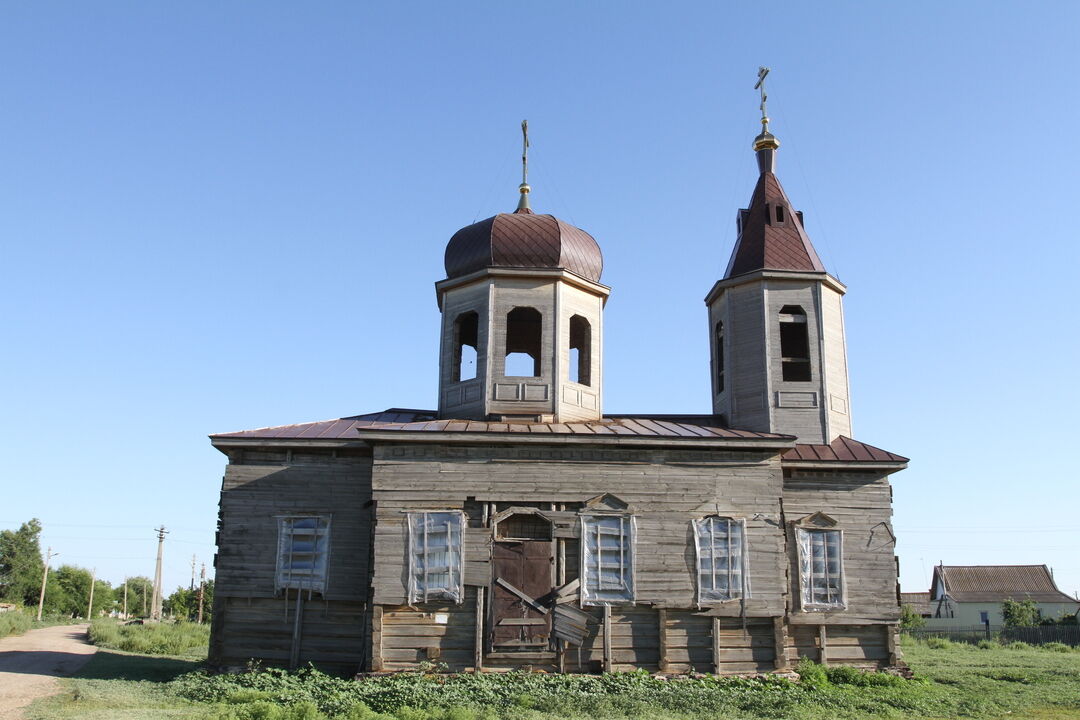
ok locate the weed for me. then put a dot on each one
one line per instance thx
(938, 643)
(165, 638)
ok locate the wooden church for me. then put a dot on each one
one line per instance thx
(518, 526)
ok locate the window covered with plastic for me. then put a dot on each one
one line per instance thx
(303, 552)
(607, 559)
(722, 559)
(436, 561)
(821, 568)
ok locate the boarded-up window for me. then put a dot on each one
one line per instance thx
(436, 562)
(722, 559)
(303, 552)
(821, 568)
(607, 559)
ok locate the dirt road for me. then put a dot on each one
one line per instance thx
(31, 663)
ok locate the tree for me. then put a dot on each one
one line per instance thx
(184, 603)
(68, 593)
(21, 566)
(140, 595)
(910, 619)
(1020, 613)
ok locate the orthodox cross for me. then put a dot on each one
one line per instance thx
(761, 73)
(524, 152)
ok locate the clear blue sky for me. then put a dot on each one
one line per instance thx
(218, 216)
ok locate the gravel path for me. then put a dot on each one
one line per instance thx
(31, 663)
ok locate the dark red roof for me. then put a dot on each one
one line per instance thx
(523, 240)
(765, 243)
(397, 419)
(995, 583)
(842, 449)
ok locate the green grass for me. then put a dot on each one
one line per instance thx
(959, 681)
(165, 638)
(17, 622)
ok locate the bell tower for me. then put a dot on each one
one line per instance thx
(522, 318)
(776, 319)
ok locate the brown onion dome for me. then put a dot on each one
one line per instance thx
(523, 239)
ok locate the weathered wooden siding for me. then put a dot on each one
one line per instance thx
(251, 619)
(665, 488)
(861, 503)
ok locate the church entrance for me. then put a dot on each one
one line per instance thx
(523, 561)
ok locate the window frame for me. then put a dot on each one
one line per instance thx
(459, 345)
(807, 576)
(712, 596)
(454, 588)
(591, 564)
(793, 319)
(284, 574)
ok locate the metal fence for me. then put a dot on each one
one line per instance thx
(1038, 635)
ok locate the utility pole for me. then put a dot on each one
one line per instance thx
(90, 605)
(125, 599)
(155, 604)
(44, 579)
(192, 573)
(202, 585)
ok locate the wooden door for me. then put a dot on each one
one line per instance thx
(524, 575)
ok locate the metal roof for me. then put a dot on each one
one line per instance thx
(523, 240)
(412, 421)
(995, 583)
(767, 244)
(652, 427)
(841, 450)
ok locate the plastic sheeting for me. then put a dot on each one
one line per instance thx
(303, 552)
(436, 560)
(723, 559)
(821, 568)
(607, 559)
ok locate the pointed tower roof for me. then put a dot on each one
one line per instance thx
(771, 234)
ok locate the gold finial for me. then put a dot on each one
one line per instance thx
(523, 202)
(765, 140)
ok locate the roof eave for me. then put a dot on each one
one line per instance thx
(488, 438)
(890, 466)
(571, 278)
(768, 273)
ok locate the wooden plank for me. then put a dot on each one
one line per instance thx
(662, 645)
(524, 598)
(376, 638)
(780, 661)
(890, 643)
(478, 634)
(823, 642)
(716, 660)
(607, 638)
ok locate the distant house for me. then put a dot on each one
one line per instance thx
(963, 595)
(919, 602)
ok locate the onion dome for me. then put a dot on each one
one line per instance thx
(523, 239)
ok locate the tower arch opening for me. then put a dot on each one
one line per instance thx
(794, 344)
(524, 333)
(580, 350)
(466, 340)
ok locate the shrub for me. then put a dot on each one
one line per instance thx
(1057, 647)
(163, 638)
(987, 645)
(938, 643)
(1018, 645)
(811, 674)
(14, 622)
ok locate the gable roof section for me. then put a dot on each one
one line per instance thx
(652, 427)
(841, 450)
(414, 421)
(919, 601)
(995, 583)
(767, 245)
